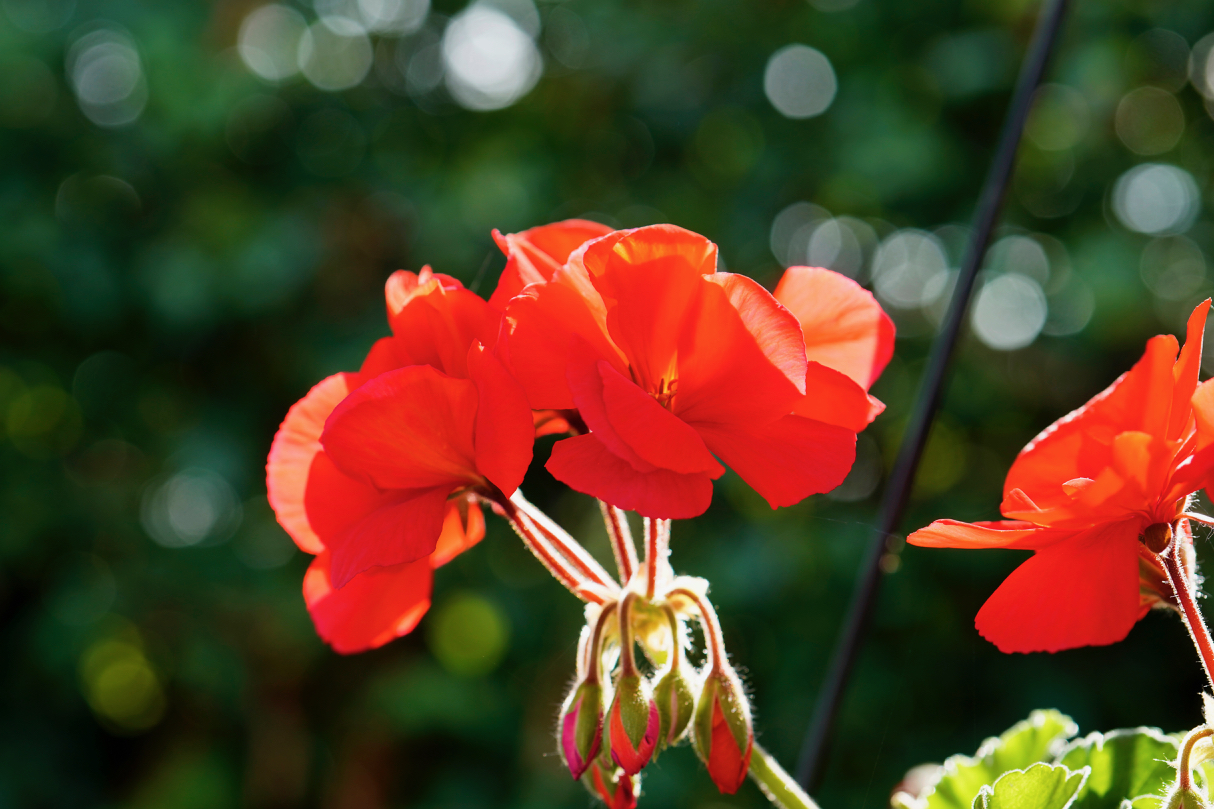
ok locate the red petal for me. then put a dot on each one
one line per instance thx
(785, 460)
(835, 398)
(436, 322)
(584, 464)
(845, 328)
(1188, 366)
(295, 446)
(631, 424)
(372, 609)
(463, 527)
(999, 534)
(1203, 412)
(773, 327)
(534, 255)
(403, 286)
(403, 530)
(1079, 592)
(411, 428)
(1079, 445)
(543, 324)
(727, 763)
(505, 430)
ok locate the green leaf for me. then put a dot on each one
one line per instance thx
(1036, 739)
(1126, 765)
(1041, 786)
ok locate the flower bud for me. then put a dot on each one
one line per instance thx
(723, 735)
(676, 702)
(632, 727)
(610, 785)
(581, 727)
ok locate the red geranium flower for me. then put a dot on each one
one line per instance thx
(669, 362)
(533, 256)
(372, 472)
(1082, 494)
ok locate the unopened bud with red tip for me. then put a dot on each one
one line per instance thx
(676, 700)
(581, 727)
(632, 724)
(723, 735)
(612, 786)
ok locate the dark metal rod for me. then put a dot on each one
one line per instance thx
(810, 765)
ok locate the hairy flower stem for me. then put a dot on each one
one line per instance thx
(566, 544)
(1173, 565)
(657, 548)
(777, 785)
(622, 545)
(1184, 770)
(712, 628)
(596, 643)
(628, 661)
(554, 562)
(676, 641)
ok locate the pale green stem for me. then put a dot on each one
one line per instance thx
(779, 787)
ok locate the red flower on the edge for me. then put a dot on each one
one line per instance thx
(372, 471)
(669, 362)
(1082, 493)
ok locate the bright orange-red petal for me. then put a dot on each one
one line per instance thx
(1079, 445)
(1185, 373)
(411, 428)
(834, 398)
(584, 464)
(532, 256)
(372, 609)
(504, 427)
(998, 534)
(1203, 413)
(1082, 591)
(785, 460)
(774, 328)
(463, 527)
(437, 321)
(543, 325)
(727, 762)
(634, 426)
(296, 444)
(844, 326)
(403, 530)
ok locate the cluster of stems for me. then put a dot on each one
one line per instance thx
(636, 710)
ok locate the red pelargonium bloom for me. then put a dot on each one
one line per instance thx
(670, 363)
(374, 472)
(534, 256)
(1082, 493)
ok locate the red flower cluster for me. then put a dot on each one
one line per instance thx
(662, 368)
(1095, 496)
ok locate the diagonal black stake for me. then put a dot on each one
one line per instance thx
(810, 766)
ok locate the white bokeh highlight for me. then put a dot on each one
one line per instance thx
(268, 42)
(1156, 198)
(335, 53)
(799, 81)
(192, 506)
(490, 60)
(107, 76)
(1009, 312)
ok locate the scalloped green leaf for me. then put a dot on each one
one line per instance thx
(1126, 765)
(1036, 739)
(1041, 786)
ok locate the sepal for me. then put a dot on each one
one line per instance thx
(581, 727)
(676, 701)
(611, 785)
(633, 724)
(722, 732)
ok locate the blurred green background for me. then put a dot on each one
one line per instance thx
(200, 202)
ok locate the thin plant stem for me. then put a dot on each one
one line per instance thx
(779, 787)
(811, 762)
(1174, 566)
(596, 643)
(622, 546)
(657, 548)
(676, 640)
(628, 662)
(712, 627)
(1184, 770)
(569, 547)
(554, 562)
(1201, 518)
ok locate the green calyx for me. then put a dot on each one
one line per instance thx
(721, 688)
(632, 701)
(676, 701)
(587, 701)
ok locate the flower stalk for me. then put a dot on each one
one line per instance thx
(622, 546)
(1174, 566)
(657, 549)
(779, 787)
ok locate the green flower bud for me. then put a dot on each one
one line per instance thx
(581, 726)
(675, 696)
(722, 733)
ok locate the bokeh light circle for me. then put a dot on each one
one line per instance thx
(107, 76)
(799, 81)
(335, 53)
(491, 62)
(1156, 198)
(268, 42)
(1009, 312)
